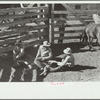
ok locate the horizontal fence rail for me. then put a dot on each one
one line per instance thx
(28, 24)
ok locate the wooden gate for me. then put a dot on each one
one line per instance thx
(26, 23)
(73, 22)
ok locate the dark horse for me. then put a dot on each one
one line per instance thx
(91, 31)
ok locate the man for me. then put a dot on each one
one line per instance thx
(67, 61)
(20, 60)
(44, 54)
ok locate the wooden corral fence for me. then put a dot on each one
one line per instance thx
(73, 22)
(26, 23)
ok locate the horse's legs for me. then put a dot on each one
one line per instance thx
(12, 74)
(97, 42)
(98, 39)
(90, 43)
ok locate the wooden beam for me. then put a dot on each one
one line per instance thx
(68, 37)
(21, 29)
(87, 11)
(73, 27)
(30, 33)
(61, 12)
(17, 31)
(68, 32)
(52, 28)
(23, 21)
(10, 10)
(30, 14)
(23, 37)
(8, 36)
(29, 28)
(77, 11)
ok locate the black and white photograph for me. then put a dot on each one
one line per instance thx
(49, 42)
(49, 49)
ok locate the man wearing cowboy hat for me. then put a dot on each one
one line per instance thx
(44, 54)
(68, 60)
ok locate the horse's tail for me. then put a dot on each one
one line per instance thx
(84, 37)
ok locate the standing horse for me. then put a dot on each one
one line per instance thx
(91, 31)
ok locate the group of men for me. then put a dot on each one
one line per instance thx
(43, 59)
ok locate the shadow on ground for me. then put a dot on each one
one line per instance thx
(79, 68)
(86, 50)
(6, 63)
(58, 48)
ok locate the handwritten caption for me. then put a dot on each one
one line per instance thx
(55, 83)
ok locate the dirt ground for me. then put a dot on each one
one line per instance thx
(87, 65)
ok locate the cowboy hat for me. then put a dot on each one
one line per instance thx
(46, 43)
(67, 51)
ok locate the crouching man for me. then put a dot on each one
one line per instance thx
(67, 61)
(44, 54)
(20, 60)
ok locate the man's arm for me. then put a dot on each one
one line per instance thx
(50, 55)
(38, 53)
(63, 62)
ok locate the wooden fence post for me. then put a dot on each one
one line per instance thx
(52, 24)
(61, 28)
(38, 5)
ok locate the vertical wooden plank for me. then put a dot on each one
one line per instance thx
(61, 28)
(21, 5)
(38, 16)
(46, 5)
(47, 22)
(52, 22)
(38, 5)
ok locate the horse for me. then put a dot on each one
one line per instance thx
(91, 32)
